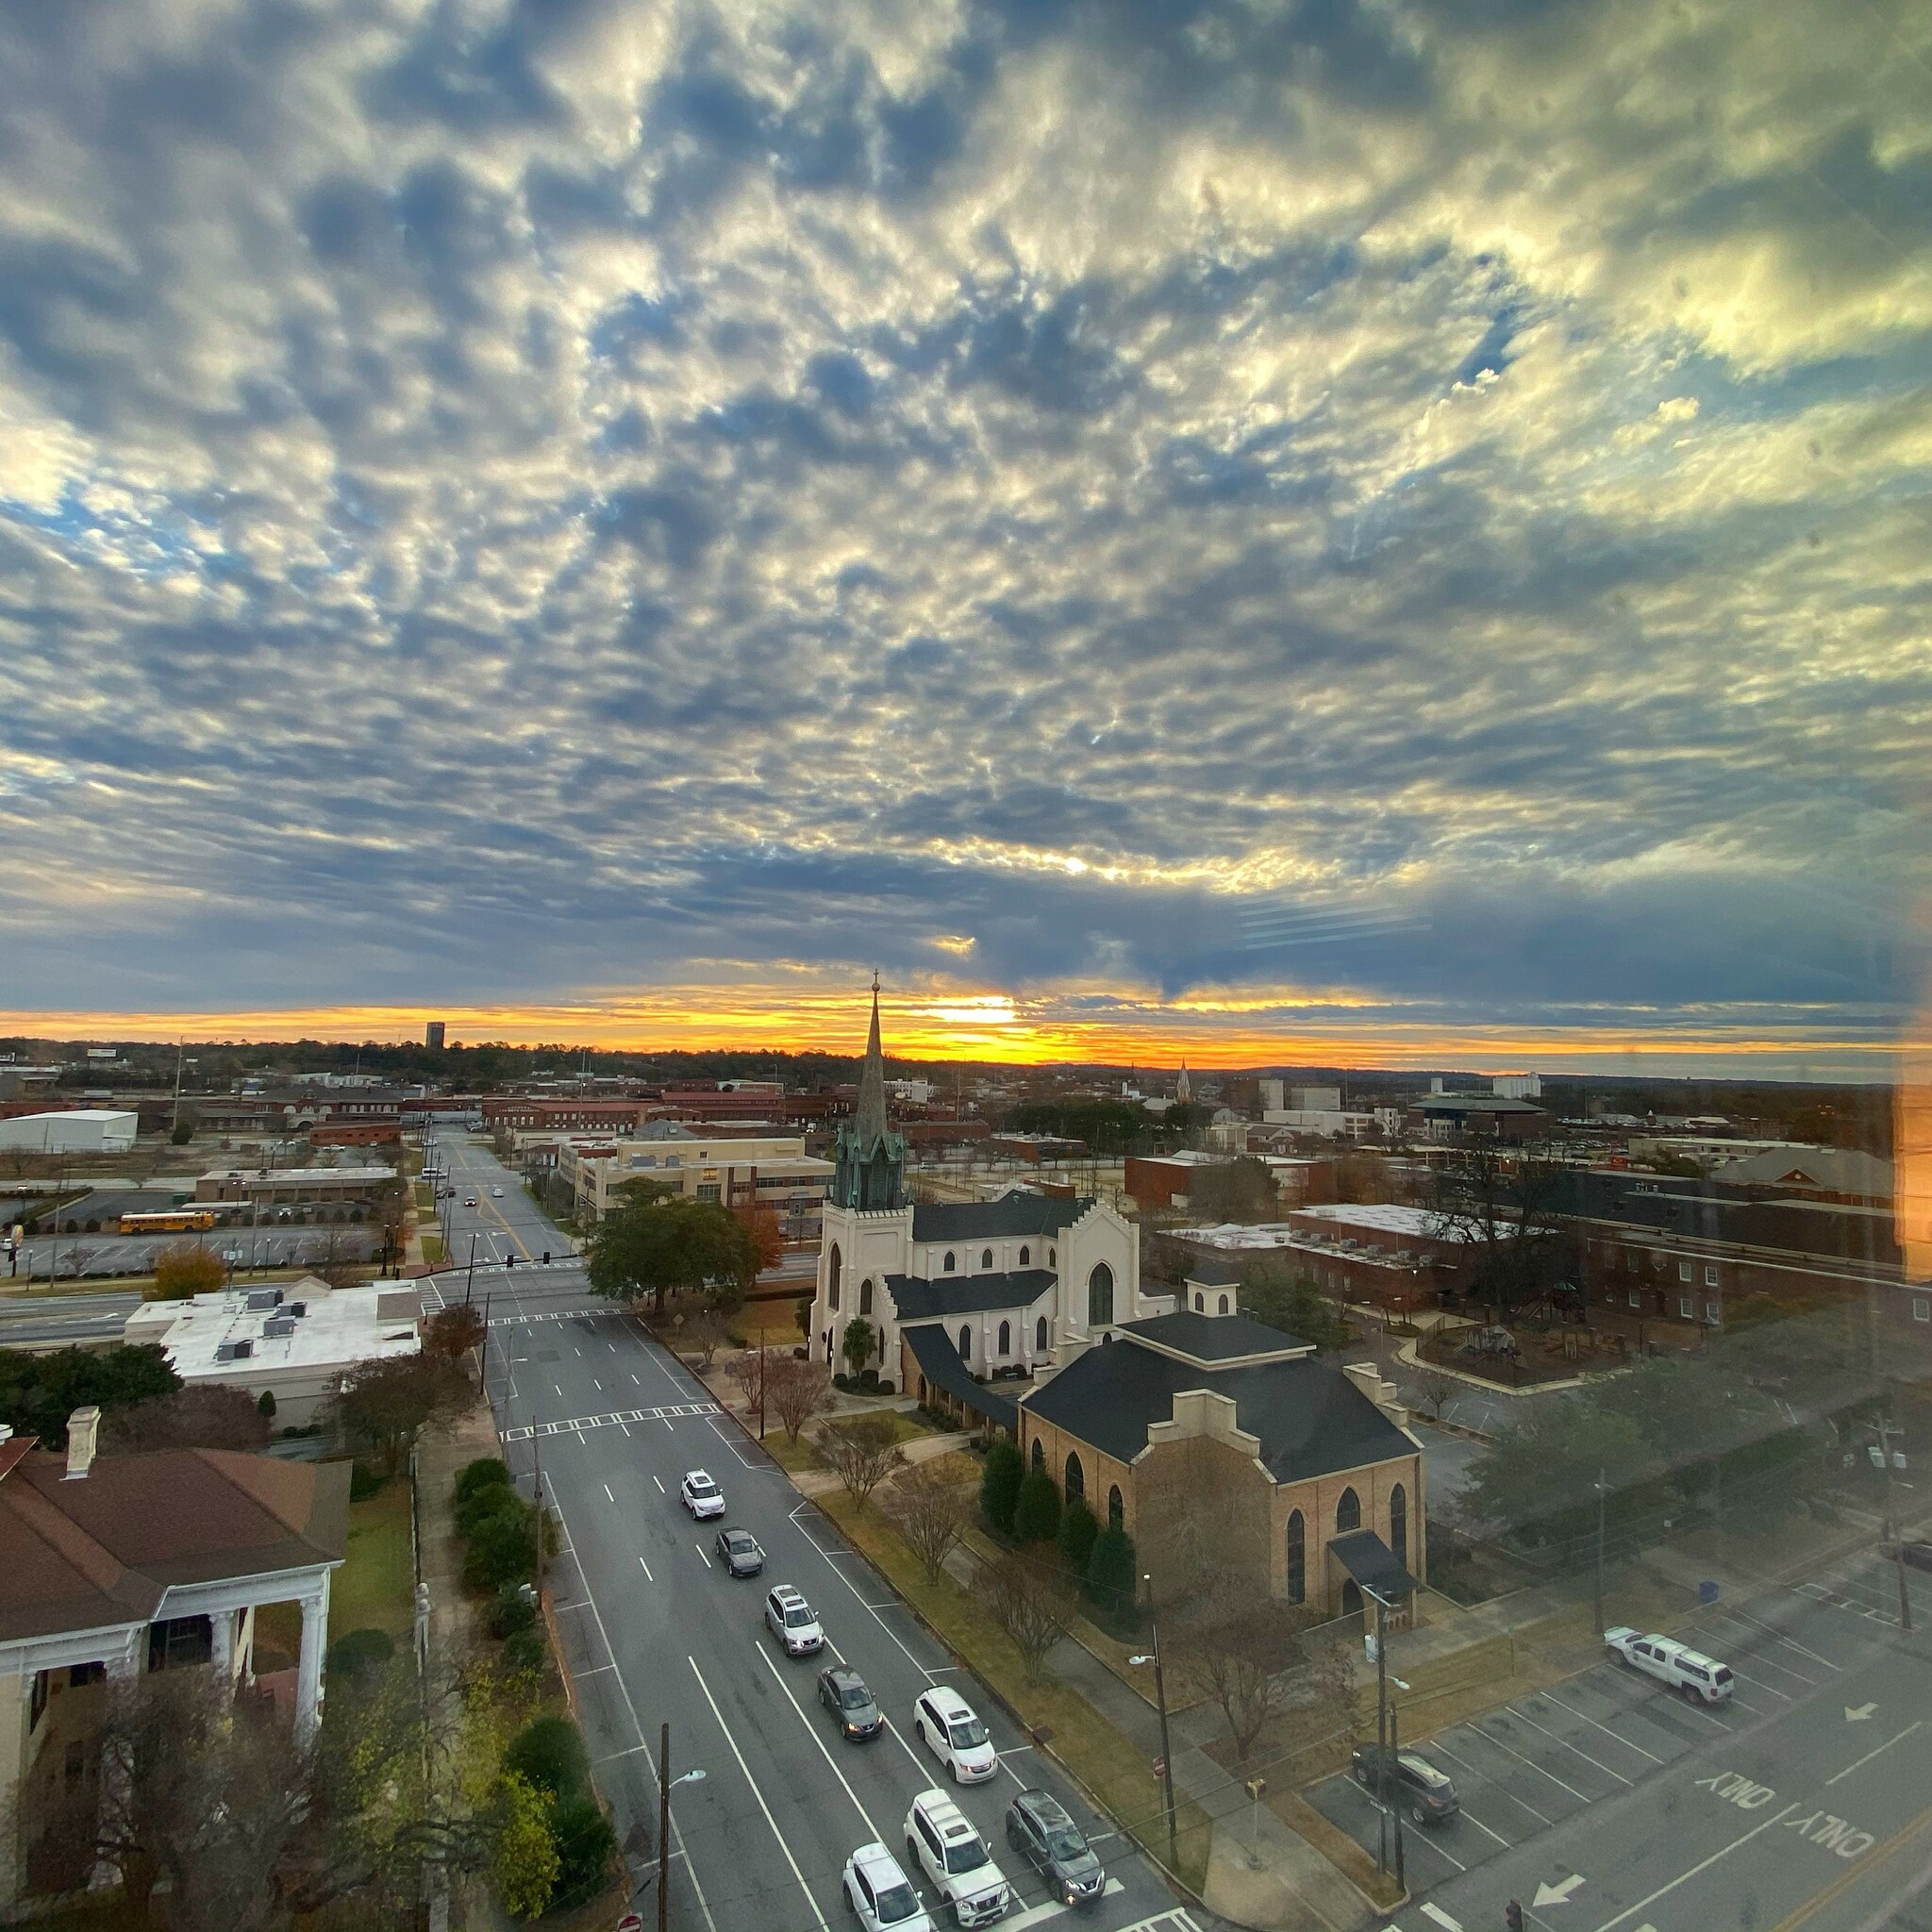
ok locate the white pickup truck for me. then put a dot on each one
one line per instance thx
(1700, 1678)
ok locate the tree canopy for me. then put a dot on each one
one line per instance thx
(37, 1392)
(656, 1247)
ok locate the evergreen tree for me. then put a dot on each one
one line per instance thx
(999, 1485)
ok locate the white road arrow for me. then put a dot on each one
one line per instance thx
(1557, 1895)
(1858, 1713)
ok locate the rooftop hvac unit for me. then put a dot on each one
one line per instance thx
(279, 1325)
(233, 1351)
(264, 1298)
(296, 1308)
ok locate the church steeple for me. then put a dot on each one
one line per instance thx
(871, 1157)
(1183, 1088)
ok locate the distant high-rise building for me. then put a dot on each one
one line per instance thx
(432, 1036)
(1517, 1086)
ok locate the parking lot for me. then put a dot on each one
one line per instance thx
(1824, 1693)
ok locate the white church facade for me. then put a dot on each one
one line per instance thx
(1009, 1287)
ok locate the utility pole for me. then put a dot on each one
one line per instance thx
(1395, 1746)
(1166, 1743)
(536, 1467)
(664, 1829)
(1894, 1528)
(1600, 1550)
(180, 1048)
(1381, 1738)
(470, 1286)
(483, 1356)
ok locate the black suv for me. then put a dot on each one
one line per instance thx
(1039, 1828)
(843, 1691)
(1412, 1781)
(738, 1550)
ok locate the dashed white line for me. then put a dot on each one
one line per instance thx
(607, 1496)
(648, 1578)
(1870, 1755)
(661, 1490)
(701, 1557)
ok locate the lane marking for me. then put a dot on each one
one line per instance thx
(701, 1557)
(607, 1496)
(765, 1657)
(1870, 1755)
(757, 1793)
(648, 1578)
(854, 1589)
(1432, 1910)
(661, 1490)
(611, 1419)
(1702, 1865)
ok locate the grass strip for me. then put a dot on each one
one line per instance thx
(1101, 1756)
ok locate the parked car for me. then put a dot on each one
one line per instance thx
(954, 1856)
(1700, 1678)
(792, 1622)
(951, 1730)
(1917, 1555)
(702, 1496)
(1412, 1781)
(843, 1692)
(1040, 1830)
(739, 1551)
(880, 1894)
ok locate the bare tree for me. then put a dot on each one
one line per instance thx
(1243, 1645)
(1436, 1387)
(702, 1335)
(452, 1331)
(1033, 1602)
(746, 1370)
(795, 1391)
(861, 1453)
(1504, 1214)
(387, 1403)
(932, 1509)
(208, 1417)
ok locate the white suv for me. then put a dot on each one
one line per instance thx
(794, 1621)
(956, 1858)
(950, 1730)
(702, 1496)
(878, 1894)
(1701, 1678)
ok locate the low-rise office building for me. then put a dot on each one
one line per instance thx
(736, 1171)
(293, 1343)
(281, 1193)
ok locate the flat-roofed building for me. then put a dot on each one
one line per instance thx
(734, 1169)
(295, 1342)
(72, 1130)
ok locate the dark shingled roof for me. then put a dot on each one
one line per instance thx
(938, 1361)
(100, 1551)
(1012, 1215)
(1372, 1563)
(919, 1300)
(1212, 1271)
(1212, 1340)
(1310, 1419)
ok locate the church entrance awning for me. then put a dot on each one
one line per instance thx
(1372, 1565)
(939, 1362)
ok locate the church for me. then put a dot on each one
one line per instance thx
(994, 1289)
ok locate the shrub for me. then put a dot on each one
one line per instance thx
(842, 1380)
(999, 1485)
(1079, 1527)
(266, 1404)
(886, 1387)
(364, 1483)
(584, 1841)
(1111, 1575)
(503, 1549)
(550, 1753)
(1037, 1513)
(357, 1651)
(494, 1500)
(487, 1472)
(512, 1612)
(868, 1380)
(526, 1652)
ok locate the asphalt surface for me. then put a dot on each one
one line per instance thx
(97, 1255)
(655, 1632)
(1608, 1804)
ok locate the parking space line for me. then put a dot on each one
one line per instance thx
(1580, 1797)
(1500, 1789)
(1566, 1744)
(1620, 1738)
(1858, 1763)
(1464, 1811)
(1770, 1630)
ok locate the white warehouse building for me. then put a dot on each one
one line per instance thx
(75, 1130)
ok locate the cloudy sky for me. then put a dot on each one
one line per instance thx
(1355, 529)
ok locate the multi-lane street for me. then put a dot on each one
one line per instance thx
(656, 1632)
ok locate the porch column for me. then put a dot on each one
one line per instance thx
(309, 1671)
(220, 1653)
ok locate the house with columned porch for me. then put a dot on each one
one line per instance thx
(114, 1566)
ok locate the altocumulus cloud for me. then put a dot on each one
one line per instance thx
(1426, 500)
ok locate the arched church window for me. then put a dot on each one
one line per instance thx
(834, 1271)
(1039, 1336)
(1223, 1305)
(1116, 1509)
(1348, 1513)
(949, 1263)
(965, 1343)
(1077, 1478)
(1100, 1296)
(1053, 1258)
(865, 1296)
(1398, 1524)
(1005, 1339)
(1038, 1455)
(1025, 1258)
(1298, 1558)
(986, 1257)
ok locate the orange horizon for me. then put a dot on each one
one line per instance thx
(1213, 1031)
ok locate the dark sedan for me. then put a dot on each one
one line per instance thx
(1039, 1828)
(1413, 1781)
(738, 1550)
(843, 1692)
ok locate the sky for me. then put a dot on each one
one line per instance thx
(1358, 533)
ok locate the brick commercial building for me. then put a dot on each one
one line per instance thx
(344, 1191)
(356, 1134)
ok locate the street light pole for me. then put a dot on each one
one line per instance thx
(1600, 1550)
(1166, 1743)
(483, 1355)
(665, 1784)
(1886, 1431)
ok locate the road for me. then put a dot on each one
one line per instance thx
(62, 1318)
(1607, 1805)
(501, 1227)
(655, 1633)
